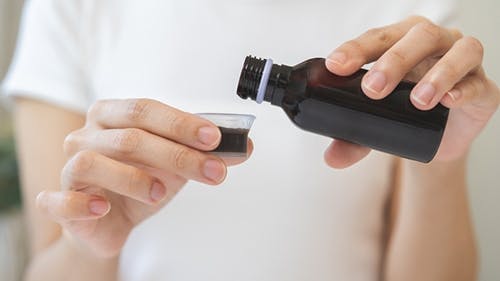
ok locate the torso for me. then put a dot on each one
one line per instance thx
(283, 215)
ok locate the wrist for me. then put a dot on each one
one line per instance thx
(438, 165)
(449, 173)
(77, 248)
(89, 263)
(66, 260)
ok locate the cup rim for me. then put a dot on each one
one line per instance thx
(226, 114)
(231, 120)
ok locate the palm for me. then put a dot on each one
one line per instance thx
(464, 124)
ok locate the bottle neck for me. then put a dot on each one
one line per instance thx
(261, 80)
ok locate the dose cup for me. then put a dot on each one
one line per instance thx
(234, 129)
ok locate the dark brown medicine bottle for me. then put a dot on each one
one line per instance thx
(320, 102)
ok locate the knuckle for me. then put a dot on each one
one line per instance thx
(72, 142)
(477, 87)
(96, 108)
(81, 163)
(418, 19)
(135, 178)
(180, 160)
(354, 46)
(431, 30)
(474, 45)
(456, 33)
(67, 203)
(176, 124)
(127, 141)
(381, 35)
(473, 87)
(398, 58)
(450, 70)
(138, 109)
(483, 84)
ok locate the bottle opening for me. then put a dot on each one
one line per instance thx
(251, 78)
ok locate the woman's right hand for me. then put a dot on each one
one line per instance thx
(129, 160)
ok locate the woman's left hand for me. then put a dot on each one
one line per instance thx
(447, 66)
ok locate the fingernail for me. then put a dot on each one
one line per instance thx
(99, 207)
(208, 135)
(157, 192)
(375, 82)
(424, 94)
(338, 58)
(214, 170)
(454, 94)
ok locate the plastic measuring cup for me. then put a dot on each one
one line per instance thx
(234, 129)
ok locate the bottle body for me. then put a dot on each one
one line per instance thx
(320, 102)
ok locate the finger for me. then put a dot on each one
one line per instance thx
(462, 93)
(474, 90)
(463, 58)
(138, 146)
(342, 154)
(157, 118)
(89, 169)
(233, 161)
(66, 206)
(422, 41)
(352, 55)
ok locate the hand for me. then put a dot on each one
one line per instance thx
(128, 161)
(447, 66)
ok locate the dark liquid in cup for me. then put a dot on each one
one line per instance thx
(233, 140)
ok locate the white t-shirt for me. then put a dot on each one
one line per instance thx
(283, 215)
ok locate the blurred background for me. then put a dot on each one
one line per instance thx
(480, 18)
(13, 249)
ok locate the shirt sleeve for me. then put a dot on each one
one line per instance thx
(48, 64)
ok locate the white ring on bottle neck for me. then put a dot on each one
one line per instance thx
(266, 73)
